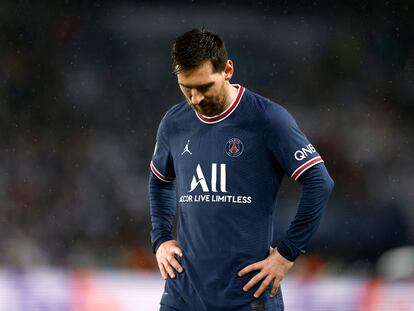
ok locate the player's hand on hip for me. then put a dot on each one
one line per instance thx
(273, 268)
(166, 258)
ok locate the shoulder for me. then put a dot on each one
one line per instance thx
(177, 111)
(175, 114)
(268, 111)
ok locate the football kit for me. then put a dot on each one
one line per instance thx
(226, 171)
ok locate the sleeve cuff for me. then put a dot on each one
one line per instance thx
(288, 251)
(159, 242)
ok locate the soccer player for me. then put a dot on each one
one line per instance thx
(224, 150)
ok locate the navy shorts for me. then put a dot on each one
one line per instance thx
(274, 304)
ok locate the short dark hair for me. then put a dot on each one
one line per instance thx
(197, 46)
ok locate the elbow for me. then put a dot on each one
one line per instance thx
(326, 182)
(319, 178)
(328, 185)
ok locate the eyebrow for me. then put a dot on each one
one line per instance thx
(198, 86)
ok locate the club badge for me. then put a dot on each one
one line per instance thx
(234, 147)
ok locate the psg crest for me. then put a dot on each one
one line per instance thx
(234, 147)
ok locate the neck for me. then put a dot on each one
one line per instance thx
(231, 92)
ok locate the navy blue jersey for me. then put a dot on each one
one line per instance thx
(227, 170)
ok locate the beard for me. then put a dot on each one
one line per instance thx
(210, 107)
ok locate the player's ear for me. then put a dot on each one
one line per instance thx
(228, 70)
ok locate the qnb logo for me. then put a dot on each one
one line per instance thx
(304, 152)
(199, 179)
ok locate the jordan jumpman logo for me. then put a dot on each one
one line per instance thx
(186, 148)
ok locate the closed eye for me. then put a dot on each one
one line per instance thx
(203, 89)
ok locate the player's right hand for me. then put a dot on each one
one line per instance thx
(166, 258)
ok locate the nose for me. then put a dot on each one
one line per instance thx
(196, 97)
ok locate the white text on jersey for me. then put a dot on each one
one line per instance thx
(304, 152)
(200, 179)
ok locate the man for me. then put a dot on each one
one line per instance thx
(226, 150)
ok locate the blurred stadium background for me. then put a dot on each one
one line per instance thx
(83, 86)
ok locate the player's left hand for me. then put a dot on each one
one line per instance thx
(273, 268)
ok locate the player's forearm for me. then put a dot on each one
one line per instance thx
(317, 187)
(162, 199)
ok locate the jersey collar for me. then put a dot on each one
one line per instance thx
(228, 111)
